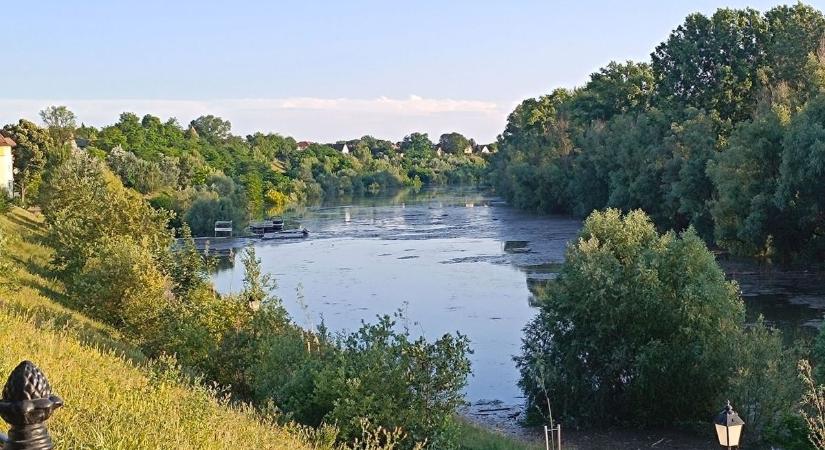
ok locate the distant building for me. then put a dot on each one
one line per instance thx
(468, 150)
(483, 149)
(341, 148)
(6, 164)
(303, 145)
(439, 151)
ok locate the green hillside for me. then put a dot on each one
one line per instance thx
(114, 398)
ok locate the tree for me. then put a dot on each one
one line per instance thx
(800, 193)
(746, 219)
(453, 143)
(61, 123)
(33, 143)
(213, 129)
(615, 89)
(795, 32)
(84, 202)
(712, 63)
(633, 318)
(417, 145)
(121, 283)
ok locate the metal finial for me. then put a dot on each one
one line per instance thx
(27, 402)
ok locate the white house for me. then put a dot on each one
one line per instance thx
(468, 150)
(6, 164)
(341, 148)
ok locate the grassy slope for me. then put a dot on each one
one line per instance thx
(114, 400)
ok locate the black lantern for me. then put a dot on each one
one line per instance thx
(728, 427)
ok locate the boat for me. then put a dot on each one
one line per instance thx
(261, 227)
(286, 234)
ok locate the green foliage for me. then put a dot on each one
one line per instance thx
(121, 284)
(33, 144)
(720, 74)
(378, 373)
(60, 122)
(204, 173)
(719, 133)
(615, 89)
(84, 204)
(453, 143)
(800, 193)
(633, 317)
(5, 201)
(766, 387)
(220, 199)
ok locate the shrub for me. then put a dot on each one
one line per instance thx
(635, 328)
(5, 201)
(766, 388)
(378, 373)
(121, 284)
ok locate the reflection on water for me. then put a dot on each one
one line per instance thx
(455, 261)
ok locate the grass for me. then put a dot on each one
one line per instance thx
(115, 398)
(473, 437)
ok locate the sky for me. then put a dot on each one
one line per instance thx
(321, 70)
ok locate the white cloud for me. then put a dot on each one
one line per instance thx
(322, 119)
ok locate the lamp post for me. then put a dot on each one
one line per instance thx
(728, 427)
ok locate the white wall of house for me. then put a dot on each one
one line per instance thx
(6, 169)
(345, 150)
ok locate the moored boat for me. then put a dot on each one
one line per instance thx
(261, 227)
(286, 234)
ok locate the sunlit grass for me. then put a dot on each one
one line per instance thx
(473, 437)
(114, 398)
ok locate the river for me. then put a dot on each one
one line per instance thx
(459, 260)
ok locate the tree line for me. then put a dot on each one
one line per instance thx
(721, 130)
(203, 173)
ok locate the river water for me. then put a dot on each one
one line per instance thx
(459, 261)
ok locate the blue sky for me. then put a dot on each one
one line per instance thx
(320, 70)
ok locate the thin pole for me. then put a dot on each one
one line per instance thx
(559, 428)
(546, 438)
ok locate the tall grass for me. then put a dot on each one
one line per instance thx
(114, 398)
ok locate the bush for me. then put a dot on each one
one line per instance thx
(378, 374)
(5, 201)
(636, 328)
(121, 285)
(766, 387)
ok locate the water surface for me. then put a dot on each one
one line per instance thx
(459, 260)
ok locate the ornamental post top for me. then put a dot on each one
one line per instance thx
(26, 403)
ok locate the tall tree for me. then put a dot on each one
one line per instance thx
(453, 143)
(417, 145)
(33, 143)
(61, 123)
(795, 32)
(615, 89)
(212, 128)
(800, 192)
(712, 63)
